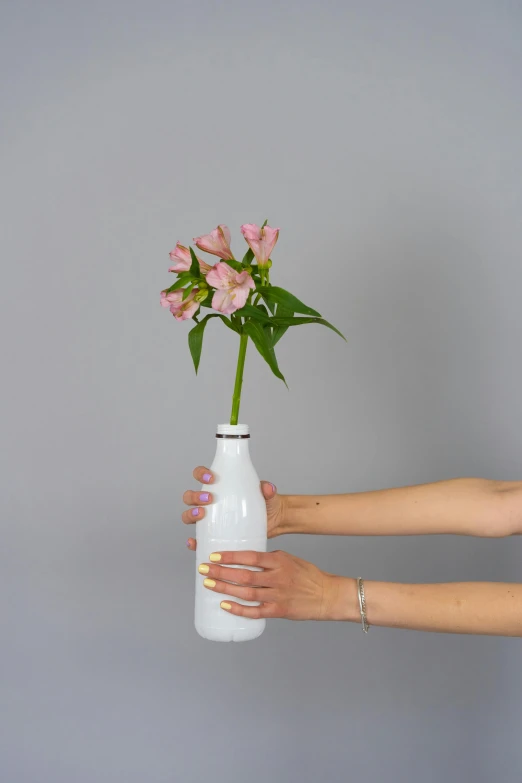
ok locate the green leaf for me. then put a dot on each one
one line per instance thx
(257, 335)
(207, 302)
(251, 311)
(229, 323)
(280, 330)
(194, 267)
(237, 265)
(267, 328)
(271, 305)
(195, 339)
(286, 322)
(248, 257)
(268, 335)
(184, 278)
(265, 223)
(186, 291)
(275, 295)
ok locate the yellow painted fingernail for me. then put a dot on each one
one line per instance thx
(209, 583)
(225, 606)
(215, 558)
(203, 569)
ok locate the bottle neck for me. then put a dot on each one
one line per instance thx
(233, 447)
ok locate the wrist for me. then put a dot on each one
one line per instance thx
(287, 517)
(295, 509)
(342, 600)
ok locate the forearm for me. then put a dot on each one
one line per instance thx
(488, 608)
(460, 506)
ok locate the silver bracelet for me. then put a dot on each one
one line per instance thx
(362, 604)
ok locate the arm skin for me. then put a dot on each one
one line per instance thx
(290, 588)
(487, 608)
(465, 506)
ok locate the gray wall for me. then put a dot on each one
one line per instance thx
(385, 140)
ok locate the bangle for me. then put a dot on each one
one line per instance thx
(362, 604)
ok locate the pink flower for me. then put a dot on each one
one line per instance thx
(181, 310)
(232, 287)
(217, 243)
(260, 240)
(182, 260)
(167, 299)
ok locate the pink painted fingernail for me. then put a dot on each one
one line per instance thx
(273, 487)
(188, 543)
(206, 477)
(195, 512)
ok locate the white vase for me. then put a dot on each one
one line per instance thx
(235, 520)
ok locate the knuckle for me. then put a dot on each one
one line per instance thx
(251, 594)
(247, 577)
(282, 609)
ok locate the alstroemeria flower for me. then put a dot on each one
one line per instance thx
(260, 240)
(232, 287)
(182, 260)
(217, 243)
(180, 309)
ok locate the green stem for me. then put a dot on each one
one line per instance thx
(236, 398)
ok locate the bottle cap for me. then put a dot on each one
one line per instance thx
(233, 430)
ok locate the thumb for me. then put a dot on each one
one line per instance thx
(268, 489)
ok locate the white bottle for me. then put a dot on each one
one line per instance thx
(235, 520)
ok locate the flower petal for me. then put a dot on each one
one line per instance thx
(223, 301)
(217, 242)
(221, 275)
(181, 258)
(260, 240)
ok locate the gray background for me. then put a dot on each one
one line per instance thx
(385, 140)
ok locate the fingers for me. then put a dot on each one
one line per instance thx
(239, 591)
(268, 489)
(240, 576)
(204, 475)
(197, 499)
(246, 558)
(192, 515)
(191, 544)
(252, 612)
(191, 498)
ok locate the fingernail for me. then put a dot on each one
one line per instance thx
(195, 512)
(209, 583)
(215, 558)
(226, 606)
(204, 496)
(206, 477)
(188, 543)
(273, 487)
(203, 569)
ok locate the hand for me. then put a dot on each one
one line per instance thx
(275, 506)
(287, 587)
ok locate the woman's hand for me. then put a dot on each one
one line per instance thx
(275, 505)
(286, 587)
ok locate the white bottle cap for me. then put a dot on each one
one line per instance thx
(233, 429)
